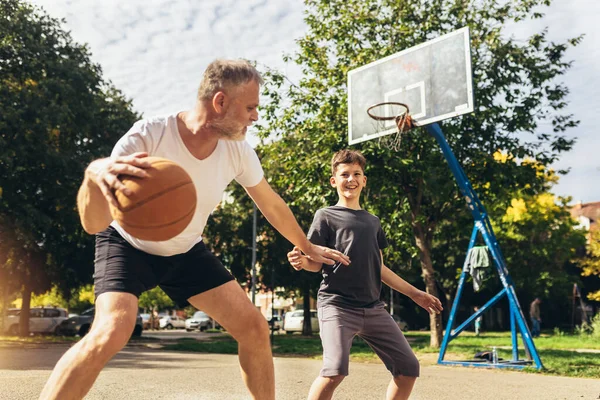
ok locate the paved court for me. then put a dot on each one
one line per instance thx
(141, 373)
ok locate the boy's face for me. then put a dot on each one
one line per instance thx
(349, 180)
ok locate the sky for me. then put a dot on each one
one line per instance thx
(156, 50)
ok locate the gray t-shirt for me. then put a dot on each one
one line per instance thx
(358, 234)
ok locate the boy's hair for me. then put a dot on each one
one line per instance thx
(221, 74)
(347, 157)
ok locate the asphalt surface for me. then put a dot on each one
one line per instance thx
(138, 372)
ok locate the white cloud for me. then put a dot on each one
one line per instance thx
(156, 50)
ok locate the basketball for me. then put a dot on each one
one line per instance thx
(160, 206)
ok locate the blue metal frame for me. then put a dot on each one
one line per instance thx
(484, 227)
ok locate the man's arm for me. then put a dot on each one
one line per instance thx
(98, 186)
(280, 216)
(423, 299)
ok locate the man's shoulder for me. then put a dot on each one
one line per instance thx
(151, 125)
(157, 120)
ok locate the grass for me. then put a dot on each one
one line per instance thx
(556, 351)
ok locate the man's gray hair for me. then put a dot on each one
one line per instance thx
(221, 74)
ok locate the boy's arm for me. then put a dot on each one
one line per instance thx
(423, 299)
(280, 216)
(300, 261)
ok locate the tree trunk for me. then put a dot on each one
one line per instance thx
(424, 245)
(25, 307)
(4, 306)
(306, 325)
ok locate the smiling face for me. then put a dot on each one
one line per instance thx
(349, 180)
(241, 110)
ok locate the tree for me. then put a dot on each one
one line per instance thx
(413, 189)
(590, 265)
(155, 299)
(56, 115)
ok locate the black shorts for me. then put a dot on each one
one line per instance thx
(120, 267)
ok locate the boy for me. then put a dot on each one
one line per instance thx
(348, 300)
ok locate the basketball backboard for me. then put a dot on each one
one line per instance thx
(434, 79)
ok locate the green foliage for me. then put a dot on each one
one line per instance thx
(56, 115)
(591, 329)
(590, 264)
(155, 299)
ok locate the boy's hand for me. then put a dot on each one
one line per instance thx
(325, 255)
(430, 303)
(295, 257)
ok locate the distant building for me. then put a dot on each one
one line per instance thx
(588, 215)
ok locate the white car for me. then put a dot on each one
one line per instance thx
(41, 319)
(171, 322)
(294, 320)
(200, 320)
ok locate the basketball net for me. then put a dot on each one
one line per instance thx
(385, 116)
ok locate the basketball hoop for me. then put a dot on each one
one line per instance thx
(392, 111)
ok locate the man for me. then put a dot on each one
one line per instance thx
(208, 141)
(536, 319)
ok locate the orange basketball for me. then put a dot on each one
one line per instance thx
(161, 205)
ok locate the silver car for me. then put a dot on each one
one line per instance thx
(41, 320)
(200, 320)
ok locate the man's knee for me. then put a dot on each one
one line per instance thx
(256, 330)
(107, 339)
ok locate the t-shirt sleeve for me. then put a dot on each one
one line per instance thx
(135, 140)
(381, 239)
(319, 231)
(250, 172)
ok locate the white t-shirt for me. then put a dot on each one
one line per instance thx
(230, 160)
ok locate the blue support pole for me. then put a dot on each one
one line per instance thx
(513, 330)
(461, 282)
(484, 227)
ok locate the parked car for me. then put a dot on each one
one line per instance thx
(200, 320)
(41, 319)
(80, 325)
(403, 325)
(171, 322)
(294, 319)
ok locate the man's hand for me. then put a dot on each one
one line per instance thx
(430, 303)
(105, 173)
(325, 255)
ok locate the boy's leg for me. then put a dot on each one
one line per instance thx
(337, 327)
(324, 386)
(386, 339)
(400, 387)
(78, 368)
(229, 305)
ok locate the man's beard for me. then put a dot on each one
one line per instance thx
(228, 128)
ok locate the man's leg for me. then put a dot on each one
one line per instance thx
(78, 368)
(229, 305)
(324, 386)
(400, 387)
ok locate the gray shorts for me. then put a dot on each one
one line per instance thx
(339, 325)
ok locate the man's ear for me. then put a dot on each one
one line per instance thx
(332, 181)
(219, 102)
